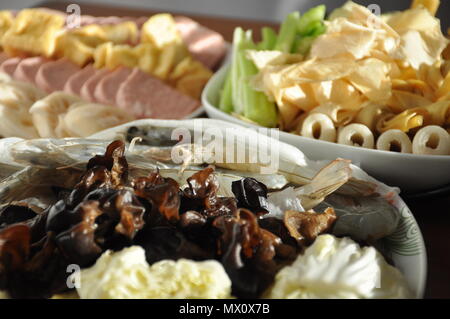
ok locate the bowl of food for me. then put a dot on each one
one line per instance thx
(74, 76)
(375, 100)
(138, 212)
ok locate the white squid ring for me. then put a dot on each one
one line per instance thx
(320, 127)
(394, 138)
(356, 135)
(431, 140)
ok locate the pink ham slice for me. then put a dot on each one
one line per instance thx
(3, 57)
(9, 65)
(88, 88)
(52, 76)
(106, 90)
(109, 20)
(87, 20)
(27, 69)
(145, 96)
(205, 45)
(76, 81)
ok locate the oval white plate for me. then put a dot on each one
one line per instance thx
(405, 247)
(412, 173)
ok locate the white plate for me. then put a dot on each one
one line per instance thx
(405, 247)
(410, 172)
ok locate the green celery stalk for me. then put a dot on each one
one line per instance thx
(320, 29)
(287, 32)
(312, 15)
(257, 107)
(246, 101)
(304, 44)
(310, 26)
(314, 28)
(238, 38)
(269, 39)
(297, 44)
(226, 98)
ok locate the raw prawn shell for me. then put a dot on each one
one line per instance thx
(325, 182)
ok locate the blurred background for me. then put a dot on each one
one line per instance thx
(263, 10)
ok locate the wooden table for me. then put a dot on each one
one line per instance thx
(433, 214)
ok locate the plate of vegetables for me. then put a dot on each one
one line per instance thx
(373, 89)
(139, 225)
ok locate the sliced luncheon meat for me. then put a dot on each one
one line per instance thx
(3, 57)
(87, 20)
(106, 90)
(9, 65)
(88, 88)
(205, 45)
(52, 76)
(27, 69)
(109, 20)
(76, 81)
(145, 96)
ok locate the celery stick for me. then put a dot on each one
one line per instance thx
(256, 105)
(319, 29)
(297, 44)
(226, 98)
(245, 100)
(314, 28)
(269, 39)
(258, 108)
(238, 38)
(304, 44)
(310, 16)
(241, 41)
(287, 32)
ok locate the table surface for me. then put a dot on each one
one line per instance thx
(432, 214)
